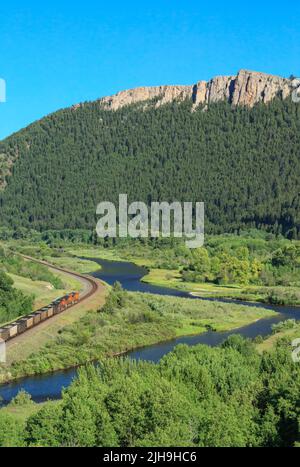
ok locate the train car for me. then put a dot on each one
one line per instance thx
(55, 306)
(22, 325)
(38, 314)
(50, 311)
(36, 318)
(13, 330)
(44, 313)
(30, 319)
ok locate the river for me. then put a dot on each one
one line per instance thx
(49, 386)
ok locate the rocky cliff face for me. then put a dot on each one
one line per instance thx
(246, 88)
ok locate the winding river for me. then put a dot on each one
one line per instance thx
(49, 386)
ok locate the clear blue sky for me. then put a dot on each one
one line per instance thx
(54, 54)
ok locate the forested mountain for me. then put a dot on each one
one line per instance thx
(242, 162)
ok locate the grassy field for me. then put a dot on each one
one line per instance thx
(251, 293)
(50, 330)
(172, 278)
(141, 319)
(15, 415)
(74, 264)
(270, 343)
(164, 269)
(44, 292)
(139, 323)
(109, 254)
(23, 411)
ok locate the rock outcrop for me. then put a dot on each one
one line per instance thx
(246, 88)
(164, 94)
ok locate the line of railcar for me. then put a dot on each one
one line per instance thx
(33, 319)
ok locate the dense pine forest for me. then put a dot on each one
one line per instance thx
(243, 163)
(229, 396)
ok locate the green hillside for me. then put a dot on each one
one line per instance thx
(243, 163)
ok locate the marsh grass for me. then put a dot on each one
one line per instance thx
(131, 320)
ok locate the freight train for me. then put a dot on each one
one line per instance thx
(27, 322)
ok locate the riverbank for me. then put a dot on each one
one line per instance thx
(289, 335)
(172, 278)
(278, 283)
(267, 295)
(139, 320)
(74, 263)
(24, 345)
(44, 292)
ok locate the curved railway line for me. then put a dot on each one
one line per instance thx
(91, 286)
(92, 282)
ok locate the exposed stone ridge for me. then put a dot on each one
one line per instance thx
(165, 94)
(246, 88)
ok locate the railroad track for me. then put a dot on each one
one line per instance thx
(93, 287)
